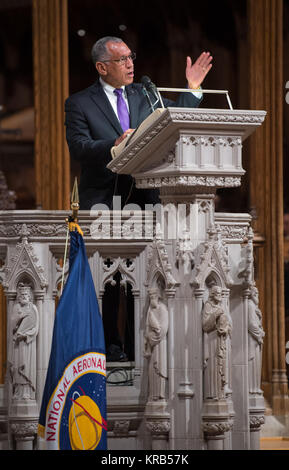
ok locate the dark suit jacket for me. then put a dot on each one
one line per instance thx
(91, 130)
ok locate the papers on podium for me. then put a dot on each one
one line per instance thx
(117, 150)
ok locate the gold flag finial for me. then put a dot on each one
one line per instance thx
(75, 201)
(72, 220)
(72, 224)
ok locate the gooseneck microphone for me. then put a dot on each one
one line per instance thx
(149, 86)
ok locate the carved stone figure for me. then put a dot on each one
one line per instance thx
(256, 335)
(217, 327)
(185, 252)
(155, 345)
(25, 324)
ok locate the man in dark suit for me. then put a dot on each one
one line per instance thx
(97, 119)
(93, 126)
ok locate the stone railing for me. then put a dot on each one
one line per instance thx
(31, 249)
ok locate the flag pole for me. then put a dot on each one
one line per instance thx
(72, 218)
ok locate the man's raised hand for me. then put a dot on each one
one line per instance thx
(196, 73)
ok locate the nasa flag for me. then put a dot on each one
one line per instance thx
(73, 410)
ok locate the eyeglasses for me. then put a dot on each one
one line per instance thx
(122, 60)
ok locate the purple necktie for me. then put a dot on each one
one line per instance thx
(122, 110)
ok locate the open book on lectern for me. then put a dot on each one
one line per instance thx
(117, 150)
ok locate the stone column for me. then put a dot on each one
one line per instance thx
(189, 256)
(50, 53)
(265, 46)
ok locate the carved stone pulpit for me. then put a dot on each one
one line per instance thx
(200, 369)
(192, 379)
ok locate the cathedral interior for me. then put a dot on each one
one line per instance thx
(45, 57)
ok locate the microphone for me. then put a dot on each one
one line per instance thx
(148, 85)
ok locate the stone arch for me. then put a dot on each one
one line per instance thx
(212, 278)
(26, 279)
(158, 281)
(119, 266)
(24, 264)
(118, 312)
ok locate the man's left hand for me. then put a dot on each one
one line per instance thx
(196, 73)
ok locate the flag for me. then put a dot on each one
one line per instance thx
(73, 409)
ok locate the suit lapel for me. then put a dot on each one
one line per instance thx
(133, 101)
(100, 99)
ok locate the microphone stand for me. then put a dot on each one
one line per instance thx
(157, 94)
(160, 97)
(149, 100)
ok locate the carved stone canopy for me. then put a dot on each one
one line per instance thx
(24, 264)
(213, 261)
(158, 266)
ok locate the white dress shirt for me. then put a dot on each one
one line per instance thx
(109, 91)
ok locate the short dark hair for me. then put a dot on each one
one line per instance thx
(99, 50)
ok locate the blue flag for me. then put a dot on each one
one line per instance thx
(73, 410)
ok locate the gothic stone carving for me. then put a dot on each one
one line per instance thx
(158, 264)
(158, 427)
(23, 262)
(256, 421)
(121, 428)
(25, 430)
(188, 180)
(126, 267)
(218, 428)
(25, 324)
(184, 253)
(156, 345)
(256, 335)
(217, 326)
(214, 259)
